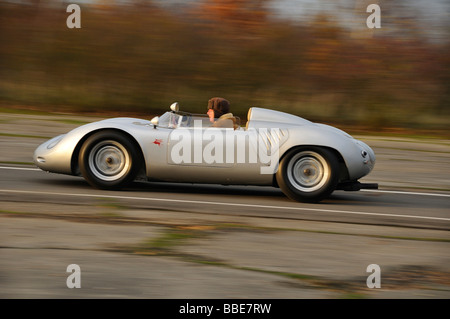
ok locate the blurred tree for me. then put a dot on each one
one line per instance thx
(242, 13)
(141, 58)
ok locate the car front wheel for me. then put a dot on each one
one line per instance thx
(308, 174)
(109, 160)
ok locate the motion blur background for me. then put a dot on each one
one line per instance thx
(316, 59)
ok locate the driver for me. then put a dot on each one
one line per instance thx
(218, 112)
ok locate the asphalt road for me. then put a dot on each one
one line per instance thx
(166, 240)
(383, 207)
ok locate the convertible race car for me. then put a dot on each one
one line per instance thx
(307, 160)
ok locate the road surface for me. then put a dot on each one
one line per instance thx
(167, 240)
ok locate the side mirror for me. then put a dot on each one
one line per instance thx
(175, 107)
(155, 121)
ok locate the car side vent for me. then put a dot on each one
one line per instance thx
(272, 138)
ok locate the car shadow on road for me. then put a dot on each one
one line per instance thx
(337, 198)
(173, 188)
(185, 188)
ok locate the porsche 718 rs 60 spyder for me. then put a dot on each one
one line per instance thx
(307, 160)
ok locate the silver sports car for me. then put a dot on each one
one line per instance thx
(308, 161)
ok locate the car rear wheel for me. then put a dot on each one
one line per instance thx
(109, 160)
(308, 174)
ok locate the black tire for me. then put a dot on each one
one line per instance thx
(109, 160)
(308, 174)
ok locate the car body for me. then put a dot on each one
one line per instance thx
(307, 160)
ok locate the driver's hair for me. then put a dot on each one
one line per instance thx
(219, 105)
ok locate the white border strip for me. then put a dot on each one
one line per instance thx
(225, 204)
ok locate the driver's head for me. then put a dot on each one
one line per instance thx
(217, 107)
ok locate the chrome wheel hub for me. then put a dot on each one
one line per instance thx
(308, 171)
(109, 160)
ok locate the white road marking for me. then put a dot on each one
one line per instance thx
(224, 204)
(403, 193)
(20, 168)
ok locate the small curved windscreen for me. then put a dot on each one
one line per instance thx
(178, 120)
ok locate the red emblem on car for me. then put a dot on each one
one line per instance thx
(157, 142)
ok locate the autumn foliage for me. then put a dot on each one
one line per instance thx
(142, 57)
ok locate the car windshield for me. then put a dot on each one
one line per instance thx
(178, 120)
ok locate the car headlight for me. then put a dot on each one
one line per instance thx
(52, 143)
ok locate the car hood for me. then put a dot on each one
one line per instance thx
(332, 129)
(126, 120)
